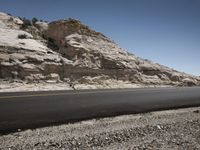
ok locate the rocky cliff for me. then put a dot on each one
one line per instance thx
(68, 51)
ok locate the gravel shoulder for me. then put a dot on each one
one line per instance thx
(19, 86)
(173, 129)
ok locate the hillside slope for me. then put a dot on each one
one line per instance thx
(68, 51)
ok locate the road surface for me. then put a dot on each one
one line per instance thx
(24, 110)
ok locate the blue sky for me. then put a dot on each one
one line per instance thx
(164, 31)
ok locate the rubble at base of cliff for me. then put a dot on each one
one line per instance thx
(48, 85)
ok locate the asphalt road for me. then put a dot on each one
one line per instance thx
(24, 110)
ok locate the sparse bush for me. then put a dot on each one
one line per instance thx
(34, 20)
(22, 36)
(9, 14)
(26, 23)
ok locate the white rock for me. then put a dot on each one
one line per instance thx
(42, 26)
(9, 38)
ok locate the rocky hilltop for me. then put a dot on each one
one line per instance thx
(68, 51)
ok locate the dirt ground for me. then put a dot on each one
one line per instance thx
(173, 129)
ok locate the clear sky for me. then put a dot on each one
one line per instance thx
(164, 31)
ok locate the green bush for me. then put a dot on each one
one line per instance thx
(22, 36)
(34, 20)
(26, 23)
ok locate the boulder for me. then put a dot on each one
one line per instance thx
(53, 76)
(189, 82)
(41, 26)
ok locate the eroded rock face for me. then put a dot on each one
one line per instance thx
(67, 49)
(8, 21)
(24, 57)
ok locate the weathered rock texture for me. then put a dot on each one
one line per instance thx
(67, 50)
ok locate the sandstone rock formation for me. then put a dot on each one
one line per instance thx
(67, 50)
